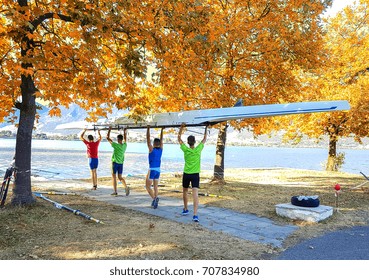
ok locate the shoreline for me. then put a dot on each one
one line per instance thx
(308, 144)
(229, 173)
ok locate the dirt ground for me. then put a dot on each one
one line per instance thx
(42, 231)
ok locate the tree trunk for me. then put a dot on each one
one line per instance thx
(218, 175)
(22, 193)
(332, 153)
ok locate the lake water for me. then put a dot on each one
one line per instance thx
(57, 159)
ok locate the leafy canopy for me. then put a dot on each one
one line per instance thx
(167, 55)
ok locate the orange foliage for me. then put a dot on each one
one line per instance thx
(240, 49)
(343, 76)
(204, 54)
(78, 52)
(150, 55)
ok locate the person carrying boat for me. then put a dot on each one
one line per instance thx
(191, 172)
(92, 154)
(117, 159)
(153, 175)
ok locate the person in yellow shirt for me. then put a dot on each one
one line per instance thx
(191, 172)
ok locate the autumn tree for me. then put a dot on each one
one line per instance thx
(96, 54)
(246, 50)
(343, 76)
(92, 53)
(346, 76)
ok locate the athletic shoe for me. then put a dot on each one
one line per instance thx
(153, 203)
(185, 212)
(195, 219)
(114, 193)
(127, 191)
(94, 188)
(156, 202)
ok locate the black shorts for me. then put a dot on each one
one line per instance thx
(193, 179)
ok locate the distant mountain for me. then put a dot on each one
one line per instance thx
(47, 124)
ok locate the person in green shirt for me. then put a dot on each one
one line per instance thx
(191, 172)
(118, 159)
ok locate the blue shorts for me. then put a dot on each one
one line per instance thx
(117, 168)
(93, 162)
(154, 175)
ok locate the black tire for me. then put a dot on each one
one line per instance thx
(309, 202)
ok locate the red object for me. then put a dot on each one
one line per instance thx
(337, 187)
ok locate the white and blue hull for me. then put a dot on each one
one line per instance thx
(212, 116)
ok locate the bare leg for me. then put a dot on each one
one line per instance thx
(114, 176)
(156, 193)
(148, 186)
(121, 179)
(156, 187)
(195, 195)
(94, 177)
(185, 198)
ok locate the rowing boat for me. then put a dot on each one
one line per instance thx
(205, 117)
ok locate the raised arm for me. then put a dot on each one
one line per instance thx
(98, 131)
(205, 135)
(82, 135)
(125, 135)
(148, 140)
(180, 134)
(108, 136)
(161, 138)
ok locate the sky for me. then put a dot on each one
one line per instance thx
(338, 5)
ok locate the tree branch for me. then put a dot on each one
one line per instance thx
(35, 23)
(357, 74)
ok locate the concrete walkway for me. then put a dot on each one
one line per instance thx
(345, 244)
(245, 226)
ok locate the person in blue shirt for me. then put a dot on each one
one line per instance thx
(153, 175)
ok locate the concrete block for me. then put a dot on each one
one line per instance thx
(311, 214)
